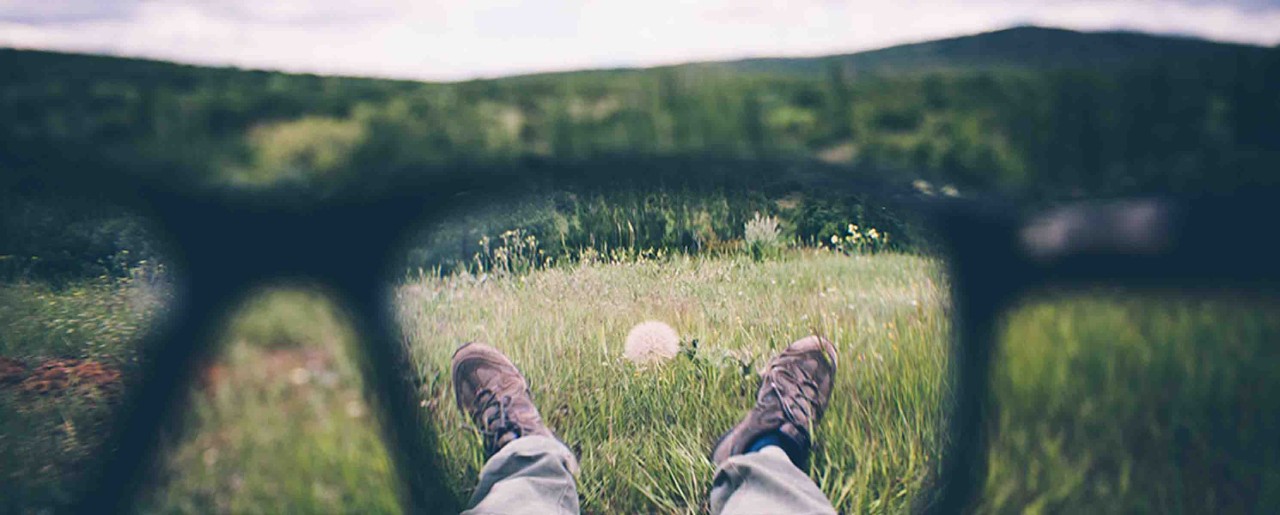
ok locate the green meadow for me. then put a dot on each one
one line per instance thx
(643, 433)
(1136, 402)
(1104, 402)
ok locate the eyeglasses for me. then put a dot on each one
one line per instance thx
(226, 244)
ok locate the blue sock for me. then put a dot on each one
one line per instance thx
(773, 439)
(798, 456)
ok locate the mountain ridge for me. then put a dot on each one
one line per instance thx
(1026, 46)
(1019, 47)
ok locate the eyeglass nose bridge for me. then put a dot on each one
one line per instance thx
(261, 243)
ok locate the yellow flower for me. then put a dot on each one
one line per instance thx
(835, 238)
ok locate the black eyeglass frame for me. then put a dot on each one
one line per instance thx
(226, 244)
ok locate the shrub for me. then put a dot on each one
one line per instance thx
(514, 252)
(762, 237)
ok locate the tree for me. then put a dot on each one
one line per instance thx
(839, 109)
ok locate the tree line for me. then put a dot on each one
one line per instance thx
(1169, 125)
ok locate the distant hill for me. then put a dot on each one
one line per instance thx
(1020, 47)
(1027, 47)
(1027, 110)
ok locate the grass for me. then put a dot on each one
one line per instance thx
(48, 440)
(1108, 402)
(279, 422)
(99, 318)
(643, 434)
(1130, 402)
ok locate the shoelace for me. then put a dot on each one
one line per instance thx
(785, 385)
(494, 409)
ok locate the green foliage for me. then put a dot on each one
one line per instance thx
(512, 252)
(544, 229)
(1029, 111)
(858, 239)
(50, 447)
(306, 147)
(762, 237)
(1136, 402)
(50, 441)
(97, 318)
(286, 319)
(61, 240)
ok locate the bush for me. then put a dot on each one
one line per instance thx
(762, 237)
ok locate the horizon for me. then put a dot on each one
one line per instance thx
(426, 41)
(624, 67)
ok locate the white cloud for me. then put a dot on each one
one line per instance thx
(456, 40)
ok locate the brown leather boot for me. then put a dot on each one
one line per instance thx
(494, 394)
(796, 390)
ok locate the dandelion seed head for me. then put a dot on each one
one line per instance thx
(651, 342)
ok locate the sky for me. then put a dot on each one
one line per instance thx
(464, 39)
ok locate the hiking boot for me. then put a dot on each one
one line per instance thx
(797, 385)
(494, 394)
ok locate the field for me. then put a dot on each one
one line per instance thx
(1107, 402)
(643, 434)
(52, 416)
(279, 423)
(1137, 402)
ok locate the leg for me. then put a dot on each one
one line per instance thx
(529, 475)
(762, 460)
(765, 482)
(529, 470)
